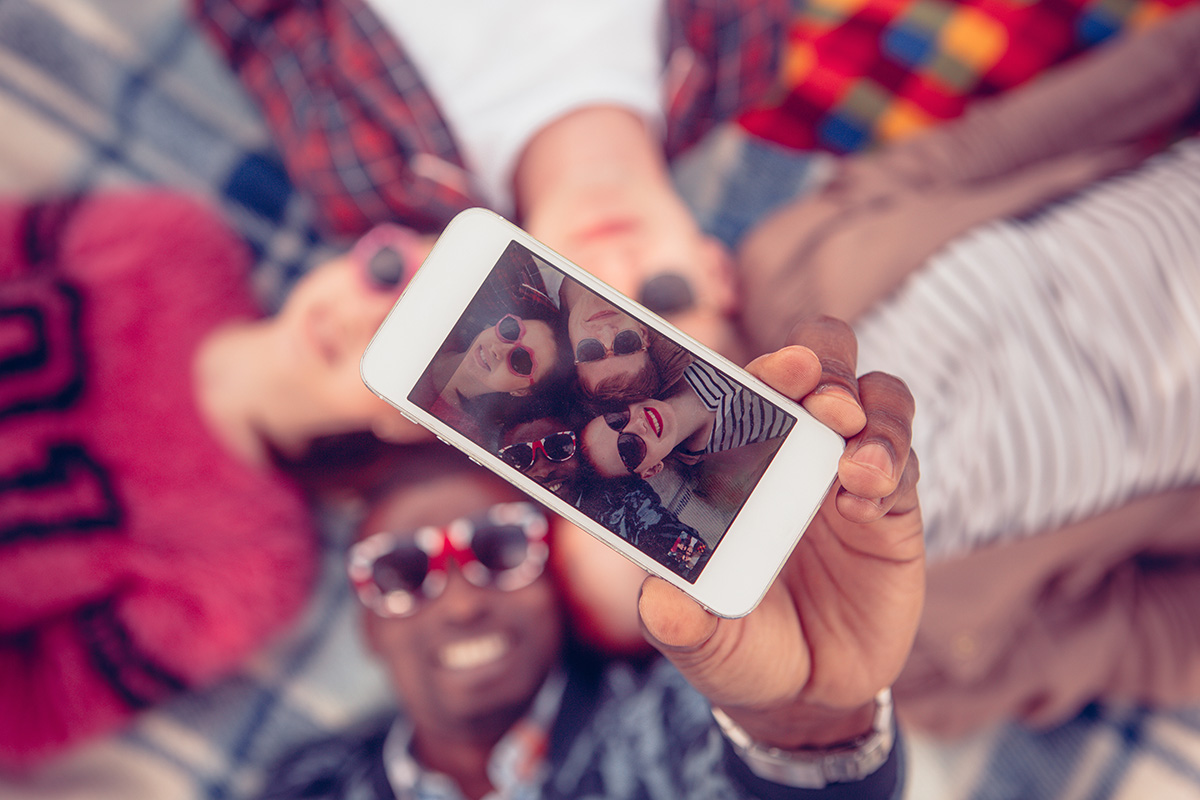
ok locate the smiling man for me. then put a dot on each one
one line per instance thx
(545, 449)
(468, 664)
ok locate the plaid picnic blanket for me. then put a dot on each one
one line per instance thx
(97, 93)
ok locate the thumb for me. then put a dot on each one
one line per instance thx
(672, 621)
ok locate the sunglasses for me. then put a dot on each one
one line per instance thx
(556, 447)
(386, 256)
(510, 330)
(503, 548)
(625, 343)
(630, 447)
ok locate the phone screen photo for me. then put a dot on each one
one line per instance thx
(590, 401)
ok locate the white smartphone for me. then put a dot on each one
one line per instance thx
(603, 412)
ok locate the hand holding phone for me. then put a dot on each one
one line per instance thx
(839, 621)
(681, 461)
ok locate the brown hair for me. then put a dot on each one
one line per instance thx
(664, 368)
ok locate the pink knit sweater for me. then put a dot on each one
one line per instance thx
(137, 557)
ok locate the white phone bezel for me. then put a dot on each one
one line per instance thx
(774, 516)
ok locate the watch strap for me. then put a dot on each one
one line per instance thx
(816, 768)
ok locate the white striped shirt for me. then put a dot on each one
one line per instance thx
(1055, 360)
(742, 416)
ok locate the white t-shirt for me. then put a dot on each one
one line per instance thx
(501, 70)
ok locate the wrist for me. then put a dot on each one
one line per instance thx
(805, 758)
(805, 725)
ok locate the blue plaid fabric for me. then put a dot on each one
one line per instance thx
(101, 94)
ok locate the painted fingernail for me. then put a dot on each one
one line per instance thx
(874, 455)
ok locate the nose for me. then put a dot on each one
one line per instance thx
(610, 327)
(617, 267)
(462, 601)
(638, 421)
(360, 322)
(500, 352)
(541, 465)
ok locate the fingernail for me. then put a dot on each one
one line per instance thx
(835, 390)
(874, 455)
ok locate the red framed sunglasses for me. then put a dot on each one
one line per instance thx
(558, 446)
(505, 547)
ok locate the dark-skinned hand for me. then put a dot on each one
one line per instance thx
(803, 668)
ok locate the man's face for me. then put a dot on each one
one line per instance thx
(657, 235)
(468, 662)
(590, 317)
(557, 476)
(653, 422)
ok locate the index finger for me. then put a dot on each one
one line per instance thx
(835, 400)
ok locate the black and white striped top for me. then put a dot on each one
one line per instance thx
(742, 416)
(1055, 360)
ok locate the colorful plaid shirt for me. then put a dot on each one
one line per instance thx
(621, 731)
(362, 136)
(860, 72)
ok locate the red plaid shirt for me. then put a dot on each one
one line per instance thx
(361, 135)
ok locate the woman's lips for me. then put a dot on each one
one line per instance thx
(654, 420)
(606, 228)
(482, 359)
(599, 315)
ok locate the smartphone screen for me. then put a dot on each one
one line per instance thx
(652, 442)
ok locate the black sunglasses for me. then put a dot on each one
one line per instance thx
(630, 447)
(625, 343)
(504, 548)
(386, 256)
(556, 447)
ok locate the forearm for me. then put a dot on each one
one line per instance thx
(586, 162)
(1101, 609)
(1137, 86)
(804, 725)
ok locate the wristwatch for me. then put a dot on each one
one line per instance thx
(817, 767)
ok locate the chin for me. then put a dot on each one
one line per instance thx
(493, 709)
